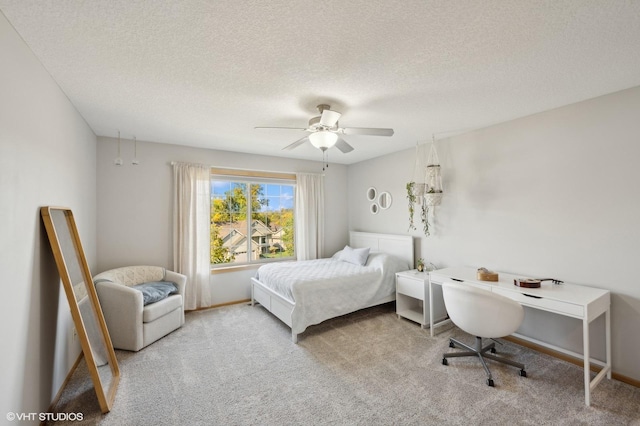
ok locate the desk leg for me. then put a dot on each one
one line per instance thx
(607, 333)
(587, 362)
(430, 308)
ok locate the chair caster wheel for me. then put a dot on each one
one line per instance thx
(451, 345)
(444, 361)
(493, 350)
(523, 373)
(490, 382)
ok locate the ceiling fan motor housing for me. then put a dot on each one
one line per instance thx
(314, 123)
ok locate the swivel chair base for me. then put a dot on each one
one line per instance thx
(480, 352)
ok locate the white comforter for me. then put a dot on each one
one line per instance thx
(327, 288)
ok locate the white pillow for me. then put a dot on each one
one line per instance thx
(355, 256)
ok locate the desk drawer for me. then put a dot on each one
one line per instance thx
(410, 287)
(564, 308)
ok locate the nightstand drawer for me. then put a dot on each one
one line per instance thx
(410, 287)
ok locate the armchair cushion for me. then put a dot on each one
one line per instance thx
(154, 311)
(155, 291)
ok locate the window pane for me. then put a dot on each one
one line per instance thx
(273, 228)
(273, 190)
(286, 200)
(228, 222)
(269, 233)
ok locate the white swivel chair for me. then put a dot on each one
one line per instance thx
(483, 314)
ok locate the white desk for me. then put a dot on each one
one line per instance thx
(576, 301)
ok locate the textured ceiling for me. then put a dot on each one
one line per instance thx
(204, 73)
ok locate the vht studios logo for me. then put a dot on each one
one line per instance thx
(51, 417)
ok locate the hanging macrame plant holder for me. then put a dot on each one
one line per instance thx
(433, 178)
(425, 190)
(419, 177)
(433, 188)
(417, 186)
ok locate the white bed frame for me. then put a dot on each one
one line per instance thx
(397, 245)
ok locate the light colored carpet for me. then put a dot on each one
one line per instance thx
(236, 365)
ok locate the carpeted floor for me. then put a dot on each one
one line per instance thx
(236, 365)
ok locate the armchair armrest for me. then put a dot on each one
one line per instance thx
(179, 279)
(122, 309)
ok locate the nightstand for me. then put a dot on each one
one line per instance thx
(412, 298)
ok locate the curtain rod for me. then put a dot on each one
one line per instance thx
(220, 170)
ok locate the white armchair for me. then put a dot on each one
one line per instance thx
(133, 326)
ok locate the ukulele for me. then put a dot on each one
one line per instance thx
(533, 282)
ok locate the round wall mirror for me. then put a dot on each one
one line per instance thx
(371, 194)
(384, 200)
(374, 208)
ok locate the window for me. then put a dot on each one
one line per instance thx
(252, 217)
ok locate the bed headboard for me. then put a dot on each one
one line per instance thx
(397, 245)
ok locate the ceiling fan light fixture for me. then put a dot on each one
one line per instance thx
(323, 139)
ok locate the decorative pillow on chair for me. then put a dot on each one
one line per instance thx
(355, 256)
(155, 291)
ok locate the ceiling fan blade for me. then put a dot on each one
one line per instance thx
(367, 131)
(329, 118)
(343, 146)
(289, 128)
(296, 143)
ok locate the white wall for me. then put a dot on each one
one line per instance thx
(135, 205)
(549, 195)
(47, 157)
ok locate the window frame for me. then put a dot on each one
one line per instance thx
(251, 177)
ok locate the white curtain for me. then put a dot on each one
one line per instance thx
(309, 216)
(191, 233)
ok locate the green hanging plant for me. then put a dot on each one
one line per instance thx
(411, 196)
(425, 218)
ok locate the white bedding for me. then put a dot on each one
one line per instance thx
(327, 288)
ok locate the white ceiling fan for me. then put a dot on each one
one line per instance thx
(325, 132)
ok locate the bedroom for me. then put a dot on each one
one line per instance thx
(546, 193)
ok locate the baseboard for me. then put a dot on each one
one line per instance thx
(573, 360)
(56, 398)
(236, 302)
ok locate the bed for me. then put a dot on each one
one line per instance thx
(308, 292)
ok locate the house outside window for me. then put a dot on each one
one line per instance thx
(252, 217)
